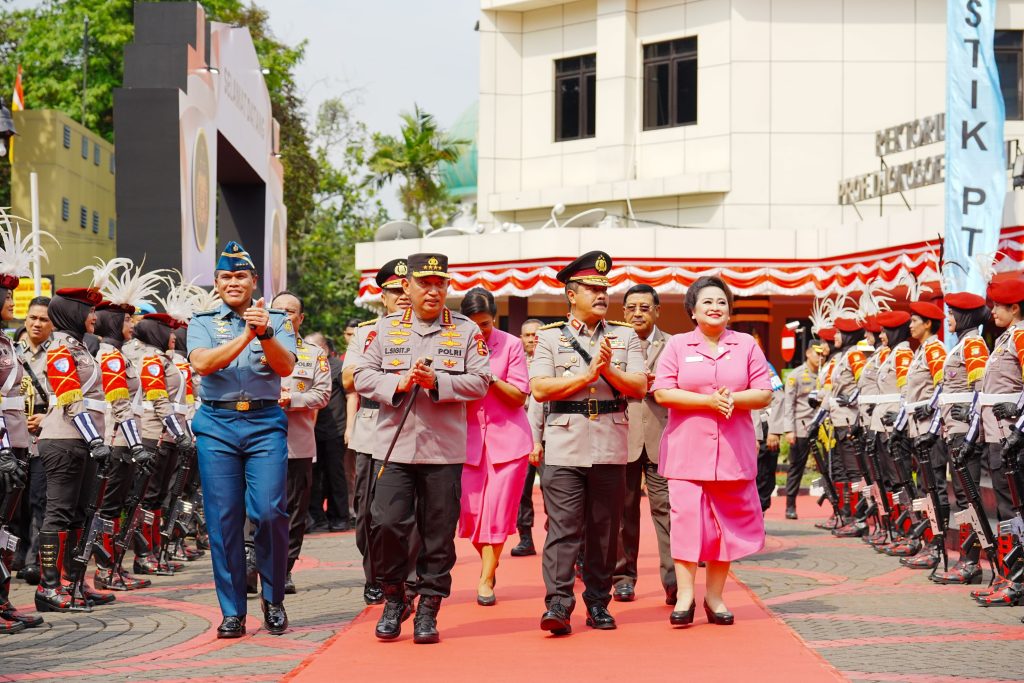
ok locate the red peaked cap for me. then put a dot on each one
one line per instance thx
(927, 309)
(1006, 292)
(848, 325)
(128, 309)
(172, 323)
(893, 319)
(827, 333)
(89, 297)
(871, 324)
(965, 301)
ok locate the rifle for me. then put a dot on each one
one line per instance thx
(899, 451)
(825, 480)
(871, 494)
(930, 504)
(91, 541)
(974, 514)
(1014, 560)
(182, 506)
(136, 516)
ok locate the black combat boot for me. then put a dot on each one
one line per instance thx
(967, 569)
(251, 573)
(10, 617)
(396, 610)
(525, 546)
(425, 623)
(51, 596)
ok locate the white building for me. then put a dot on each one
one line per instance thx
(713, 133)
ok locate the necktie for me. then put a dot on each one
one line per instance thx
(644, 345)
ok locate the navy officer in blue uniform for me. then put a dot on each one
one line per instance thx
(242, 350)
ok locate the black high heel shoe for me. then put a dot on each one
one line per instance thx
(720, 618)
(680, 618)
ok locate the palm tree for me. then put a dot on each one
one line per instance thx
(415, 159)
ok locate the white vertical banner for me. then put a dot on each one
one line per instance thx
(975, 151)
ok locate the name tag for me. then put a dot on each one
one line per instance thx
(693, 359)
(451, 353)
(616, 343)
(397, 350)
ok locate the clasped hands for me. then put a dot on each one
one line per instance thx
(601, 361)
(420, 373)
(257, 317)
(722, 402)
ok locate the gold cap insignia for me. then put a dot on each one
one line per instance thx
(433, 264)
(601, 265)
(401, 269)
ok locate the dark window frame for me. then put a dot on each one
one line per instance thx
(672, 56)
(67, 136)
(83, 217)
(583, 70)
(1011, 43)
(96, 154)
(95, 222)
(85, 148)
(65, 209)
(111, 228)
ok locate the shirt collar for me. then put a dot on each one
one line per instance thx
(581, 327)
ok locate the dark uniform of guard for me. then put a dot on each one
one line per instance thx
(586, 440)
(797, 414)
(241, 437)
(420, 487)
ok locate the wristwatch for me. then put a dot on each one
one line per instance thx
(267, 334)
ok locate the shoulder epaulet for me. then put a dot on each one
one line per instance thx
(620, 323)
(202, 314)
(368, 322)
(551, 326)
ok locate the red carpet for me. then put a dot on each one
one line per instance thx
(505, 643)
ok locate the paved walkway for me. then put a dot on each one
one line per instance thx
(860, 611)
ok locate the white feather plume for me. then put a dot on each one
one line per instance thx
(986, 264)
(17, 253)
(915, 286)
(821, 315)
(873, 301)
(103, 270)
(181, 297)
(206, 300)
(133, 287)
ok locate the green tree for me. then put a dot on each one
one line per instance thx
(346, 211)
(414, 159)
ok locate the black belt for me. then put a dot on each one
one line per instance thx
(241, 406)
(367, 403)
(592, 407)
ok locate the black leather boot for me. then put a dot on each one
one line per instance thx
(525, 546)
(86, 594)
(396, 610)
(51, 595)
(425, 623)
(8, 613)
(251, 573)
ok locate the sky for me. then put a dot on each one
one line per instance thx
(390, 54)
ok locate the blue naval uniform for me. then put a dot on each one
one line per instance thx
(243, 458)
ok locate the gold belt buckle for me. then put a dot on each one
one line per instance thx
(592, 408)
(242, 406)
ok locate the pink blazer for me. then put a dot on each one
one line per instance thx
(493, 426)
(702, 445)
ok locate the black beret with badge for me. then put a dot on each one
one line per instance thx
(590, 269)
(427, 265)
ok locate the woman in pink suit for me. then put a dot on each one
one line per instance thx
(710, 379)
(499, 442)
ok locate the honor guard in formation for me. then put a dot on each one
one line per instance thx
(797, 415)
(584, 369)
(242, 350)
(421, 365)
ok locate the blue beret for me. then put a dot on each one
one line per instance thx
(235, 257)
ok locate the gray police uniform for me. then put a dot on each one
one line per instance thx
(586, 451)
(797, 414)
(646, 423)
(422, 484)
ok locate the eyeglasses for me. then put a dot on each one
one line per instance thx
(643, 308)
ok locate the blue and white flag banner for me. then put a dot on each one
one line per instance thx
(975, 151)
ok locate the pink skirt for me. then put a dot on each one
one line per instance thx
(719, 521)
(490, 499)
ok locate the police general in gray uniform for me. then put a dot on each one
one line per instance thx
(421, 485)
(584, 368)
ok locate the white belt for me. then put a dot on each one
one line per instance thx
(962, 397)
(918, 404)
(180, 408)
(90, 404)
(992, 399)
(12, 403)
(879, 398)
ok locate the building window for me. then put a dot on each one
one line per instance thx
(83, 217)
(670, 83)
(111, 162)
(111, 229)
(65, 209)
(67, 137)
(1009, 47)
(85, 147)
(95, 154)
(95, 223)
(575, 97)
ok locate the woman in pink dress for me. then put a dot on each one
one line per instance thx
(499, 442)
(710, 379)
